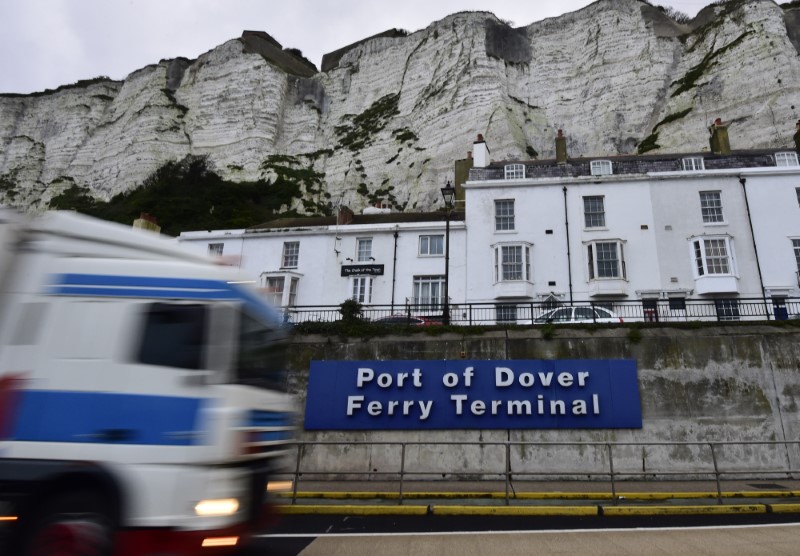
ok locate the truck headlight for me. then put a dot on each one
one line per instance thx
(216, 508)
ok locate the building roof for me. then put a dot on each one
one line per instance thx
(388, 218)
(629, 164)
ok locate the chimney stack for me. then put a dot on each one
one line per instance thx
(561, 148)
(480, 153)
(719, 141)
(147, 222)
(797, 136)
(344, 217)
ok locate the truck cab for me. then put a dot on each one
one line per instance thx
(143, 402)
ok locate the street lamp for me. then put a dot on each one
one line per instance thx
(449, 196)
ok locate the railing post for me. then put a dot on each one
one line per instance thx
(296, 475)
(716, 472)
(402, 469)
(611, 472)
(508, 470)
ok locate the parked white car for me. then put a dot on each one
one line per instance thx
(567, 315)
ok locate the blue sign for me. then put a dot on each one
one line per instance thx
(518, 394)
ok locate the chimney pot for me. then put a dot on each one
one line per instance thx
(561, 148)
(719, 141)
(469, 153)
(480, 138)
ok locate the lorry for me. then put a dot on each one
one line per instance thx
(143, 395)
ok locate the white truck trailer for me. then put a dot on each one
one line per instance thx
(143, 404)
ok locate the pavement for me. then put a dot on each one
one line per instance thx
(546, 498)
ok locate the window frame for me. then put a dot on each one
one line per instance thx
(294, 285)
(694, 163)
(174, 335)
(363, 249)
(594, 261)
(361, 289)
(727, 309)
(506, 312)
(676, 303)
(504, 267)
(786, 158)
(796, 249)
(700, 256)
(275, 295)
(601, 168)
(433, 282)
(290, 254)
(594, 218)
(711, 207)
(427, 240)
(504, 217)
(514, 171)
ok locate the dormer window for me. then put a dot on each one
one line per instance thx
(601, 168)
(693, 164)
(786, 159)
(515, 171)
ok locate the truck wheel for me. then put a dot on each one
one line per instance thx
(73, 524)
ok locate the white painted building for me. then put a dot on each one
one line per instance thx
(644, 231)
(641, 235)
(378, 258)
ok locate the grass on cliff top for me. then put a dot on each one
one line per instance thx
(187, 195)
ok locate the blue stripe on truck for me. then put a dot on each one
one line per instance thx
(108, 418)
(156, 287)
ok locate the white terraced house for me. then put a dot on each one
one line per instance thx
(644, 236)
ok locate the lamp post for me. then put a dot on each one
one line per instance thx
(449, 196)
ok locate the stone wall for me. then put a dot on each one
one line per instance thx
(713, 384)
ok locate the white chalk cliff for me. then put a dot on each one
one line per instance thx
(387, 117)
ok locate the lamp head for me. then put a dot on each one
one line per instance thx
(449, 195)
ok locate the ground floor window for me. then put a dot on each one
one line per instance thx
(712, 256)
(605, 260)
(727, 309)
(677, 303)
(506, 312)
(429, 290)
(361, 289)
(512, 262)
(281, 289)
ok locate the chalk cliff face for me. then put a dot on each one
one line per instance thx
(388, 116)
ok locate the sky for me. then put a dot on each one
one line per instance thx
(49, 43)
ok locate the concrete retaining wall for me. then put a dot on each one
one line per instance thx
(711, 384)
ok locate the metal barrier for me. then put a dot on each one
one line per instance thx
(537, 313)
(715, 469)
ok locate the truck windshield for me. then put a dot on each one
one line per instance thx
(260, 360)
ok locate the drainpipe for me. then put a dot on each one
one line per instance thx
(569, 259)
(394, 266)
(743, 181)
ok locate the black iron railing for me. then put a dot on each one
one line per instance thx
(535, 313)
